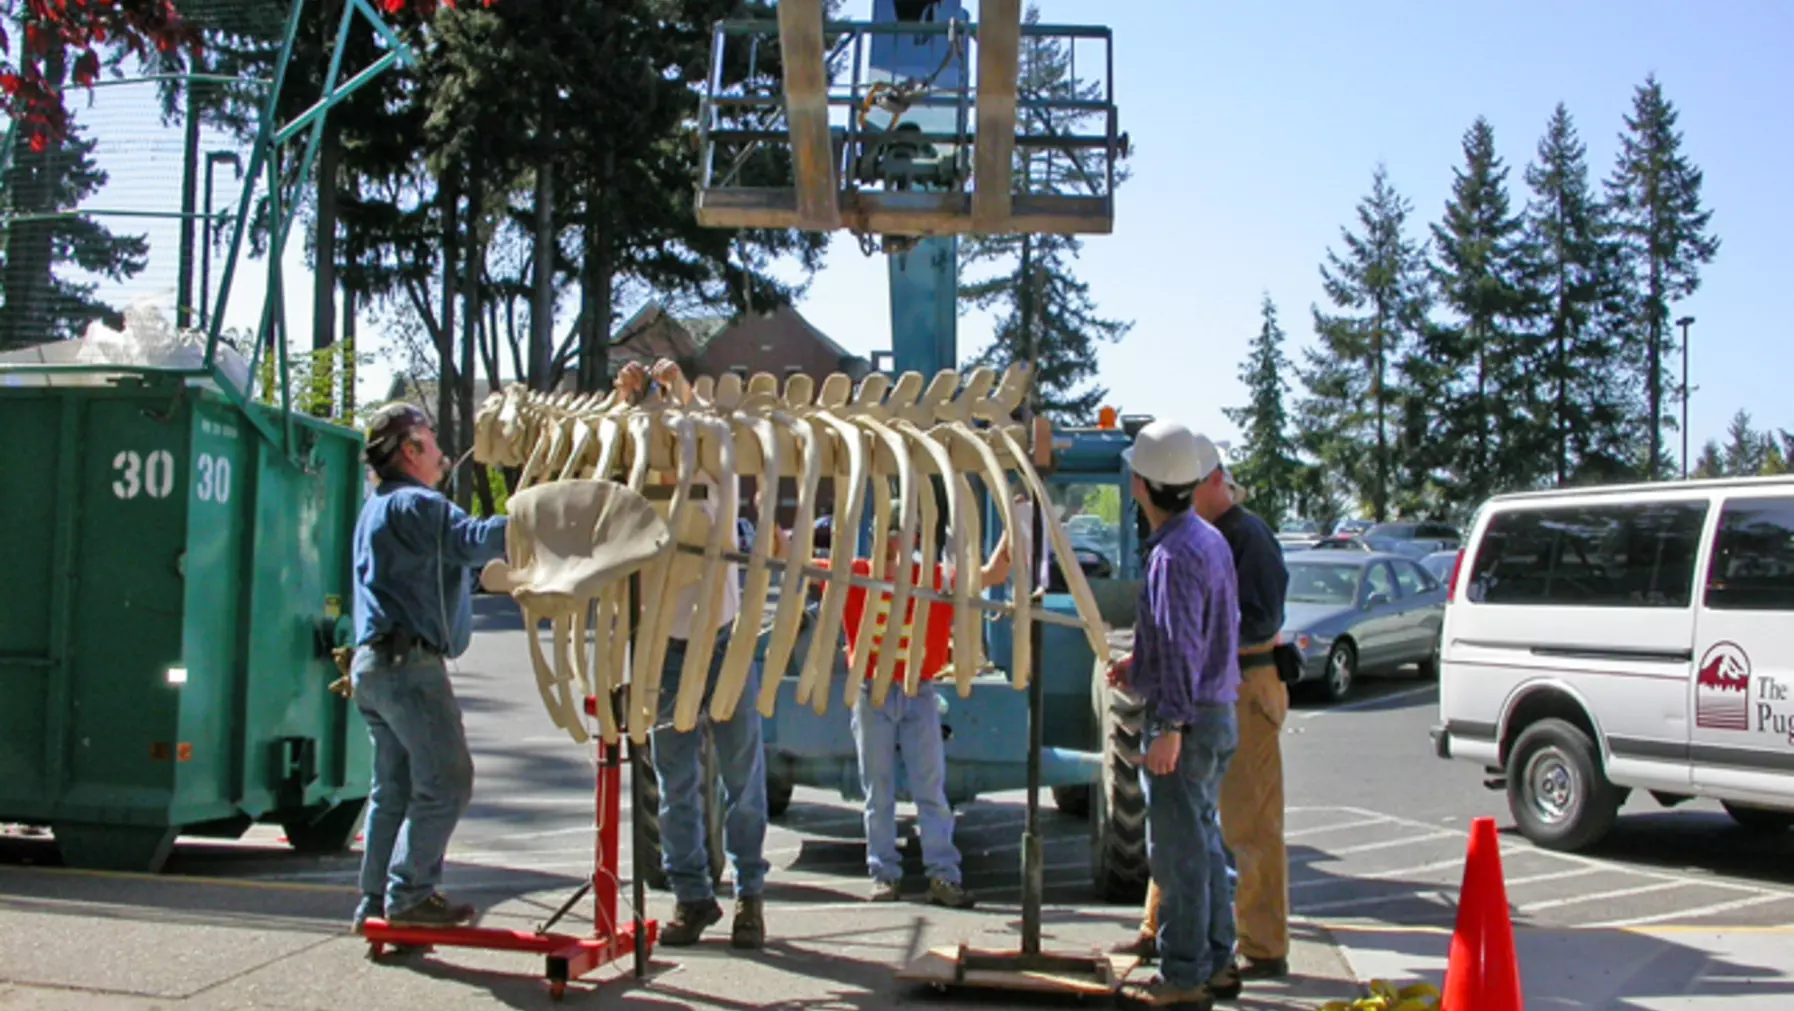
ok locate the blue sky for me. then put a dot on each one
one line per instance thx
(1256, 128)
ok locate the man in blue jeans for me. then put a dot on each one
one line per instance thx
(415, 553)
(1185, 667)
(910, 725)
(678, 756)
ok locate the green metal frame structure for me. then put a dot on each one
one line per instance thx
(181, 575)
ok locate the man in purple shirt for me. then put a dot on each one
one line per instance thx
(1185, 667)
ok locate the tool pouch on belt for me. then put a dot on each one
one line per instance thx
(1289, 662)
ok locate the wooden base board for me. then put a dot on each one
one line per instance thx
(939, 968)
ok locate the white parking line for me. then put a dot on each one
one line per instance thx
(1681, 914)
(1617, 893)
(1367, 703)
(1386, 844)
(1429, 896)
(1341, 827)
(1576, 858)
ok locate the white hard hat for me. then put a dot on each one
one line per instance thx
(1168, 453)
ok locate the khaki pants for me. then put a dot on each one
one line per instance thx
(1252, 820)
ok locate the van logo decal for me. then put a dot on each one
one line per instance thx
(1722, 688)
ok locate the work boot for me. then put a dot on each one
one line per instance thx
(435, 911)
(1162, 993)
(1225, 983)
(749, 931)
(885, 891)
(951, 894)
(1144, 947)
(690, 920)
(1263, 968)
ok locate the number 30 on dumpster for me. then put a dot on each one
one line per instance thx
(152, 474)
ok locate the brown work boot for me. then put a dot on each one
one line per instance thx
(749, 932)
(1145, 947)
(689, 922)
(1263, 968)
(1225, 984)
(1162, 993)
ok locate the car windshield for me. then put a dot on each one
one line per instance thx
(1321, 583)
(1404, 531)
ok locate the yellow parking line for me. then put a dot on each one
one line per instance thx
(187, 879)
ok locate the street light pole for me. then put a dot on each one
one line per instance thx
(1685, 322)
(213, 158)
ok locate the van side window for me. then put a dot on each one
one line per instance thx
(1753, 558)
(1620, 555)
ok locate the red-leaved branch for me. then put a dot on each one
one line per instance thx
(77, 29)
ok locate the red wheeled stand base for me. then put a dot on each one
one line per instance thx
(569, 956)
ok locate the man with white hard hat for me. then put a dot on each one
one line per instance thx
(1252, 791)
(1185, 667)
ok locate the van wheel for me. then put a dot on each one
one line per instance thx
(1556, 789)
(1342, 667)
(1758, 819)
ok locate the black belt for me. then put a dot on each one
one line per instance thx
(400, 642)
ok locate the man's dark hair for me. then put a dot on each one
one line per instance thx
(1170, 498)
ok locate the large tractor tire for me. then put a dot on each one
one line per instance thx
(646, 817)
(1118, 803)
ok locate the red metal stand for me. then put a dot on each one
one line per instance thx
(569, 956)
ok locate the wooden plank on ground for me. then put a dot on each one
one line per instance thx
(993, 151)
(938, 968)
(806, 113)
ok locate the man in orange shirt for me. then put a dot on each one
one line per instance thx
(910, 725)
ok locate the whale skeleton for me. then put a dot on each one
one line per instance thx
(611, 487)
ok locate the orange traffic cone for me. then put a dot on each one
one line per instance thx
(1483, 973)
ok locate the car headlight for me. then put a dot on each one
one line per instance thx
(1301, 640)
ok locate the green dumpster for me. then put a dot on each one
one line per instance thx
(175, 583)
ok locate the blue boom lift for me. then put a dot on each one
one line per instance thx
(888, 154)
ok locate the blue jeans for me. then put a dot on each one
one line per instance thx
(678, 764)
(912, 726)
(1184, 851)
(423, 776)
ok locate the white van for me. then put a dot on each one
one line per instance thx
(1602, 640)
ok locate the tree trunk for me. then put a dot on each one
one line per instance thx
(1655, 372)
(597, 287)
(184, 306)
(541, 310)
(323, 313)
(1379, 501)
(470, 317)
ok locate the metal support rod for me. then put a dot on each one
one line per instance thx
(1033, 860)
(821, 574)
(636, 771)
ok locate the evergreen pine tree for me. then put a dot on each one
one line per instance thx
(1579, 272)
(1656, 195)
(1488, 425)
(1042, 306)
(1358, 373)
(1711, 462)
(1268, 464)
(39, 300)
(1747, 449)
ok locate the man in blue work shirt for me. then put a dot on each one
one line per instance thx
(415, 552)
(1185, 667)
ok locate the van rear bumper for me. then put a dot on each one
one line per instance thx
(1464, 739)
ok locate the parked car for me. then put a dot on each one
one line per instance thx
(1353, 612)
(1413, 539)
(1441, 564)
(1347, 528)
(1639, 637)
